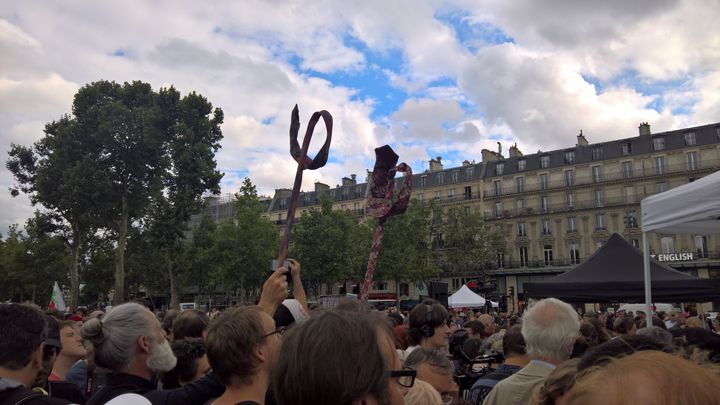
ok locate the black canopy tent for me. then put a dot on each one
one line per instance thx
(615, 274)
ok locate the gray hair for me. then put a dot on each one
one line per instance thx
(433, 357)
(114, 337)
(549, 328)
(659, 334)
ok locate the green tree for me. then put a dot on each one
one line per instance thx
(32, 263)
(242, 249)
(468, 244)
(322, 242)
(406, 246)
(192, 172)
(61, 172)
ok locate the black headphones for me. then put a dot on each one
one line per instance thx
(427, 329)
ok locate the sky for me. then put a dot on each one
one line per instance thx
(429, 78)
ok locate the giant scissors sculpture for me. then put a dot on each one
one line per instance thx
(304, 162)
(380, 204)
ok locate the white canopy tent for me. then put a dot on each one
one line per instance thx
(693, 208)
(465, 298)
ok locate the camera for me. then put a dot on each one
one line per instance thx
(286, 264)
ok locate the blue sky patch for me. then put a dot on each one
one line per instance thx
(473, 34)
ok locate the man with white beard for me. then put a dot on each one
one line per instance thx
(130, 342)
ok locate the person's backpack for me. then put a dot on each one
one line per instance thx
(19, 396)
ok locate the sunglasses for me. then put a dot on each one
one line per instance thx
(405, 377)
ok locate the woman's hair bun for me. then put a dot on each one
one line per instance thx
(92, 329)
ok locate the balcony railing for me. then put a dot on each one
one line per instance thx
(566, 262)
(564, 207)
(637, 173)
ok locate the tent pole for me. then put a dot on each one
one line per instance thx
(648, 292)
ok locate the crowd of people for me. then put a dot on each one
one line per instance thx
(282, 352)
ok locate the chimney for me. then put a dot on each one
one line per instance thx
(436, 164)
(581, 140)
(644, 129)
(490, 156)
(321, 186)
(514, 151)
(349, 181)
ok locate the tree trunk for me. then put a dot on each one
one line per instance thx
(174, 287)
(74, 278)
(119, 296)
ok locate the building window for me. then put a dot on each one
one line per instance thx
(345, 193)
(500, 257)
(570, 156)
(692, 161)
(469, 172)
(440, 178)
(543, 180)
(520, 204)
(689, 139)
(521, 164)
(597, 174)
(544, 203)
(659, 164)
(306, 199)
(332, 194)
(437, 196)
(631, 220)
(548, 253)
(498, 210)
(356, 206)
(574, 253)
(546, 227)
(520, 182)
(499, 168)
(523, 256)
(599, 222)
(701, 247)
(629, 194)
(468, 193)
(498, 187)
(627, 168)
(451, 194)
(282, 203)
(598, 198)
(569, 178)
(661, 186)
(572, 225)
(404, 289)
(381, 286)
(627, 149)
(597, 153)
(423, 181)
(544, 161)
(666, 245)
(455, 176)
(570, 200)
(635, 243)
(420, 197)
(467, 210)
(521, 229)
(343, 207)
(659, 143)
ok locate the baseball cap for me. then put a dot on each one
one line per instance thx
(53, 332)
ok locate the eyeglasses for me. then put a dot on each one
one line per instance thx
(279, 331)
(405, 377)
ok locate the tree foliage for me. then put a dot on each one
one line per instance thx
(406, 246)
(468, 245)
(322, 242)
